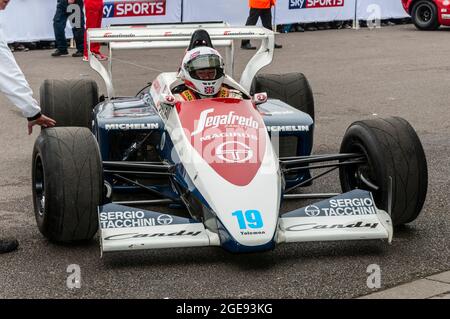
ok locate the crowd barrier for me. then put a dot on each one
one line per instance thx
(32, 20)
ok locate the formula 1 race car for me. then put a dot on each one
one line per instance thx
(224, 165)
(428, 14)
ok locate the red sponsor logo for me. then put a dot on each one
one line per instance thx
(135, 8)
(229, 135)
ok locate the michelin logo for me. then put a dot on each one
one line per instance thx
(288, 128)
(132, 126)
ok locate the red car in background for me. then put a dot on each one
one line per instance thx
(428, 14)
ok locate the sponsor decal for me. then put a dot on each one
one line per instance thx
(239, 33)
(343, 207)
(134, 9)
(317, 226)
(312, 211)
(223, 135)
(230, 119)
(125, 219)
(152, 235)
(307, 4)
(164, 219)
(247, 233)
(234, 152)
(119, 35)
(132, 126)
(288, 128)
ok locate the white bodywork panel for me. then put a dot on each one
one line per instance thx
(301, 229)
(263, 193)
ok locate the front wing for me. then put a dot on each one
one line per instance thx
(348, 216)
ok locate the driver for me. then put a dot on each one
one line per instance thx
(202, 71)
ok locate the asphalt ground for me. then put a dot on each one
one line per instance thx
(393, 71)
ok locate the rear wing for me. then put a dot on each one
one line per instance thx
(178, 36)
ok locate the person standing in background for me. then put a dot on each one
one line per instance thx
(259, 9)
(94, 16)
(63, 12)
(14, 85)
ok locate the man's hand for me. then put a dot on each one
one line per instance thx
(3, 4)
(43, 121)
(71, 1)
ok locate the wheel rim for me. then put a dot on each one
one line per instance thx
(424, 13)
(39, 186)
(362, 176)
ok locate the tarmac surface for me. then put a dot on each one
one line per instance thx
(393, 71)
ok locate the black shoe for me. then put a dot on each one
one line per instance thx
(60, 53)
(8, 245)
(278, 46)
(247, 46)
(78, 54)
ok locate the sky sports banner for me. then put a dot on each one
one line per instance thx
(141, 11)
(294, 11)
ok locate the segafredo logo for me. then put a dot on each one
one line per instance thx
(230, 119)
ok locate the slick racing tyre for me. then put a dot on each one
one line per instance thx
(393, 152)
(291, 88)
(69, 102)
(424, 14)
(67, 183)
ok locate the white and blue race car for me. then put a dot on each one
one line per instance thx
(222, 165)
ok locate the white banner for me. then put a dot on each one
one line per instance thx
(235, 12)
(302, 11)
(32, 20)
(28, 20)
(380, 9)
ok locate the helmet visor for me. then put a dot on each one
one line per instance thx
(205, 67)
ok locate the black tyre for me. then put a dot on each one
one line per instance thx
(393, 151)
(291, 88)
(424, 14)
(67, 183)
(69, 102)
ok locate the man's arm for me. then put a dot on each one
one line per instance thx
(14, 85)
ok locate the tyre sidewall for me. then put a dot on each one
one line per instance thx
(359, 134)
(430, 25)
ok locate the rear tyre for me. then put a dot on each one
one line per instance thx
(424, 14)
(291, 88)
(67, 184)
(392, 150)
(69, 102)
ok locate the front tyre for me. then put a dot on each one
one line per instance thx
(67, 184)
(392, 150)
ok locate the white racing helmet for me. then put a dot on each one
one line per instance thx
(202, 70)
